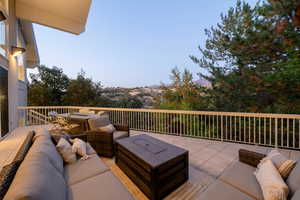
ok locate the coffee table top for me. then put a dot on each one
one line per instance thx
(151, 150)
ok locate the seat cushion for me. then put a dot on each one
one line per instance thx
(103, 186)
(99, 121)
(293, 180)
(44, 144)
(84, 169)
(120, 134)
(37, 179)
(220, 190)
(241, 176)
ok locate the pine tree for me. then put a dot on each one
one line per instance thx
(245, 50)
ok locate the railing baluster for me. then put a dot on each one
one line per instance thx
(252, 128)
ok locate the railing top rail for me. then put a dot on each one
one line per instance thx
(215, 113)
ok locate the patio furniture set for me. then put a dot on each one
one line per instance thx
(38, 171)
(41, 171)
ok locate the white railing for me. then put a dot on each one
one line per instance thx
(276, 130)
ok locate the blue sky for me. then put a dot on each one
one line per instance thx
(133, 43)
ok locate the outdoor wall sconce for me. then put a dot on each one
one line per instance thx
(17, 50)
(2, 16)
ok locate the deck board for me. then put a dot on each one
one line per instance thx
(208, 159)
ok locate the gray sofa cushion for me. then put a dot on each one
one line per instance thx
(84, 169)
(296, 195)
(41, 131)
(44, 144)
(104, 186)
(37, 179)
(293, 181)
(120, 134)
(241, 176)
(102, 120)
(220, 190)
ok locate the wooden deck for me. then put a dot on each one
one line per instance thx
(207, 161)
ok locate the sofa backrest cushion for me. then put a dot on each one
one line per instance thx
(296, 196)
(37, 179)
(99, 121)
(293, 180)
(41, 131)
(25, 147)
(7, 175)
(44, 145)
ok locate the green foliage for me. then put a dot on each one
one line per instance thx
(82, 91)
(252, 59)
(128, 101)
(47, 87)
(182, 94)
(51, 87)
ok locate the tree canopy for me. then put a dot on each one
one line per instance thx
(51, 87)
(252, 58)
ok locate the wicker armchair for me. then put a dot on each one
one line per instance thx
(103, 142)
(249, 157)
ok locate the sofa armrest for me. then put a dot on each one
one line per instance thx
(121, 127)
(99, 136)
(80, 136)
(250, 157)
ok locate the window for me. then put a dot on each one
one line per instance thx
(3, 29)
(3, 47)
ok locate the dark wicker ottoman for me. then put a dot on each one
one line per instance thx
(156, 167)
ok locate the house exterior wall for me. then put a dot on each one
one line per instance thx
(17, 87)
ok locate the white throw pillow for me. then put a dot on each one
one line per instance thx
(65, 150)
(283, 165)
(79, 147)
(270, 181)
(107, 129)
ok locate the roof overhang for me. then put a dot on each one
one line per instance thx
(69, 16)
(32, 54)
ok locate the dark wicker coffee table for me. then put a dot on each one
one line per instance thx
(156, 167)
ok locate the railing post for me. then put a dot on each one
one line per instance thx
(276, 132)
(222, 128)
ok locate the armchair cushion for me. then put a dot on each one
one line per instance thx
(100, 121)
(107, 129)
(121, 127)
(120, 134)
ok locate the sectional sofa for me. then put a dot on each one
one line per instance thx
(42, 175)
(239, 182)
